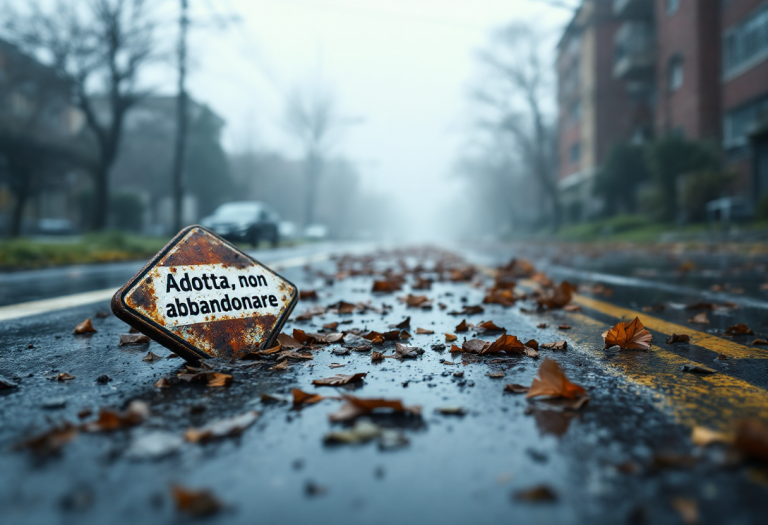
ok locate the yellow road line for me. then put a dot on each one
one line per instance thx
(715, 400)
(704, 340)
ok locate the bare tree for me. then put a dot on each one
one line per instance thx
(312, 118)
(100, 46)
(517, 89)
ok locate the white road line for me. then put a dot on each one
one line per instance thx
(16, 311)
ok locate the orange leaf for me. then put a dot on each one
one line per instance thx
(630, 335)
(551, 381)
(506, 343)
(451, 337)
(339, 379)
(85, 327)
(304, 398)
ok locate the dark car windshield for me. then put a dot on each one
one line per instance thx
(237, 212)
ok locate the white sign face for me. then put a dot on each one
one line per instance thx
(211, 292)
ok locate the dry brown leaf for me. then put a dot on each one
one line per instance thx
(489, 326)
(564, 327)
(305, 398)
(275, 349)
(424, 331)
(217, 379)
(532, 343)
(356, 407)
(134, 339)
(550, 381)
(51, 441)
(151, 357)
(678, 338)
(331, 326)
(282, 365)
(475, 346)
(336, 365)
(557, 345)
(462, 326)
(699, 319)
(288, 342)
(556, 297)
(163, 382)
(195, 502)
(451, 337)
(308, 295)
(703, 436)
(688, 509)
(228, 427)
(455, 348)
(752, 439)
(505, 343)
(541, 325)
(760, 342)
(539, 493)
(515, 388)
(63, 376)
(402, 351)
(339, 379)
(496, 375)
(109, 419)
(631, 335)
(386, 286)
(739, 329)
(86, 327)
(698, 369)
(413, 301)
(468, 310)
(530, 352)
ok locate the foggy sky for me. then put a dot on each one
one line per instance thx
(404, 66)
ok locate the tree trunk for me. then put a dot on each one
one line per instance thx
(101, 196)
(313, 168)
(22, 195)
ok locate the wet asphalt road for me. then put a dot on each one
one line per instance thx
(453, 470)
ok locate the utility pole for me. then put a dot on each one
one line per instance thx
(181, 121)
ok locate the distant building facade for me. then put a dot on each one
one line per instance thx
(650, 68)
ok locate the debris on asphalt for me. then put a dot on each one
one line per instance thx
(151, 357)
(698, 369)
(340, 379)
(109, 419)
(134, 339)
(451, 411)
(678, 338)
(514, 388)
(195, 502)
(699, 319)
(7, 384)
(550, 381)
(86, 327)
(631, 335)
(739, 329)
(752, 439)
(63, 376)
(51, 441)
(355, 407)
(222, 428)
(557, 345)
(537, 494)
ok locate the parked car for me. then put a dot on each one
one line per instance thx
(245, 221)
(288, 230)
(55, 227)
(316, 232)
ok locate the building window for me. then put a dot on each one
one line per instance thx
(574, 112)
(574, 152)
(675, 73)
(747, 43)
(740, 122)
(672, 7)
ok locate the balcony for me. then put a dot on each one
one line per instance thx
(633, 9)
(635, 51)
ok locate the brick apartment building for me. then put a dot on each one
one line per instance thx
(631, 70)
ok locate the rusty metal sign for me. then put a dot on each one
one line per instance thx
(202, 297)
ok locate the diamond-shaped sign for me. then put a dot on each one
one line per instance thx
(202, 297)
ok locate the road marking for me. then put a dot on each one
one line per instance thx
(16, 311)
(715, 400)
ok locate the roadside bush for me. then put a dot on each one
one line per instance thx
(700, 188)
(616, 183)
(761, 210)
(127, 211)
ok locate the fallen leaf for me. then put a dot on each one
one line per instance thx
(195, 502)
(336, 365)
(489, 326)
(305, 398)
(339, 379)
(557, 345)
(541, 325)
(532, 343)
(699, 319)
(406, 323)
(7, 384)
(678, 338)
(496, 375)
(572, 308)
(475, 346)
(630, 335)
(424, 331)
(109, 419)
(377, 356)
(688, 509)
(455, 348)
(307, 295)
(760, 342)
(163, 382)
(134, 339)
(283, 365)
(331, 326)
(703, 436)
(402, 351)
(288, 342)
(515, 388)
(739, 329)
(356, 407)
(469, 310)
(752, 438)
(551, 381)
(51, 441)
(462, 326)
(530, 352)
(227, 427)
(556, 297)
(564, 327)
(217, 379)
(307, 338)
(385, 286)
(151, 357)
(334, 337)
(698, 369)
(361, 432)
(504, 297)
(539, 493)
(63, 376)
(450, 337)
(505, 343)
(86, 327)
(275, 349)
(451, 411)
(413, 301)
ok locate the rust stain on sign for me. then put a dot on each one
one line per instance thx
(202, 297)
